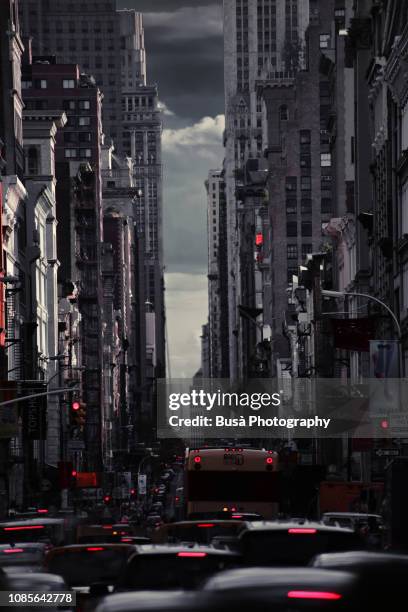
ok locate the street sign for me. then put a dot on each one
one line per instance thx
(142, 484)
(387, 452)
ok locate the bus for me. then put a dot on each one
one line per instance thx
(231, 480)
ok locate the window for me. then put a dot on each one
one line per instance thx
(32, 161)
(283, 113)
(305, 161)
(291, 229)
(84, 105)
(326, 205)
(306, 206)
(305, 183)
(85, 137)
(40, 84)
(305, 137)
(291, 183)
(70, 136)
(291, 206)
(306, 249)
(26, 84)
(292, 251)
(111, 184)
(85, 153)
(84, 121)
(68, 84)
(324, 41)
(69, 105)
(306, 228)
(70, 153)
(325, 160)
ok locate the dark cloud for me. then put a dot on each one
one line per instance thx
(151, 6)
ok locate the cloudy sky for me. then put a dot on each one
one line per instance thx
(184, 48)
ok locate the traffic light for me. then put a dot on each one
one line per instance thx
(78, 413)
(72, 479)
(107, 499)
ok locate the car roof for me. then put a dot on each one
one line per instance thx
(196, 523)
(358, 558)
(40, 545)
(285, 526)
(85, 546)
(171, 549)
(33, 521)
(40, 577)
(147, 600)
(351, 515)
(264, 577)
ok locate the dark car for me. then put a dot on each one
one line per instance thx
(201, 532)
(28, 554)
(263, 589)
(173, 567)
(380, 574)
(150, 601)
(269, 543)
(84, 565)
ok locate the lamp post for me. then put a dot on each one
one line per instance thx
(340, 294)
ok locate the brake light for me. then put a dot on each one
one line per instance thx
(206, 525)
(24, 528)
(191, 554)
(313, 595)
(197, 459)
(237, 516)
(269, 460)
(42, 511)
(126, 539)
(9, 551)
(94, 548)
(302, 530)
(107, 527)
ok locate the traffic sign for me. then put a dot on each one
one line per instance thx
(142, 483)
(387, 452)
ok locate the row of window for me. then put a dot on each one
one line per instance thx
(44, 84)
(292, 229)
(78, 153)
(306, 206)
(292, 250)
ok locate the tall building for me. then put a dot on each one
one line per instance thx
(217, 275)
(141, 140)
(84, 33)
(261, 39)
(109, 45)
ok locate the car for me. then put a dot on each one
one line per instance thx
(259, 589)
(84, 565)
(201, 532)
(379, 574)
(87, 533)
(40, 582)
(150, 601)
(28, 554)
(173, 566)
(275, 543)
(224, 516)
(48, 530)
(370, 526)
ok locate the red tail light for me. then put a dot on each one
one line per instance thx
(313, 595)
(269, 460)
(206, 525)
(197, 459)
(24, 528)
(302, 530)
(237, 516)
(42, 511)
(9, 551)
(107, 526)
(191, 554)
(94, 548)
(126, 539)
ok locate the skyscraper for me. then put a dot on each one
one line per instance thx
(261, 39)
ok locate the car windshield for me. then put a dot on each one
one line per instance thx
(172, 571)
(83, 567)
(282, 547)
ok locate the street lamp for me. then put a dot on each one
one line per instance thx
(340, 294)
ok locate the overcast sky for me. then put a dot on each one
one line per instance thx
(184, 47)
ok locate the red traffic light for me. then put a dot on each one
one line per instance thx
(107, 499)
(76, 405)
(132, 491)
(73, 473)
